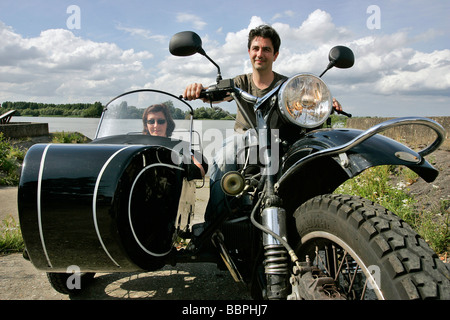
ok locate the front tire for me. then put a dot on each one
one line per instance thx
(369, 251)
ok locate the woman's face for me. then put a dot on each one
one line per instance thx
(157, 124)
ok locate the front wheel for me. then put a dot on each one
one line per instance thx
(368, 251)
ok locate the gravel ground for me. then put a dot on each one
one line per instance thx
(19, 280)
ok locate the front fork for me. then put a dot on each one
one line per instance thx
(276, 266)
(273, 218)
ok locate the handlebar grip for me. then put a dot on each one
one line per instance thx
(203, 94)
(344, 113)
(214, 94)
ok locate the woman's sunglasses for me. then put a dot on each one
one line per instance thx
(159, 121)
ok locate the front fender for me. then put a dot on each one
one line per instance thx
(301, 170)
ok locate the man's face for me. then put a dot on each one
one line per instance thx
(262, 54)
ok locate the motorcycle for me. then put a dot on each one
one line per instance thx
(125, 202)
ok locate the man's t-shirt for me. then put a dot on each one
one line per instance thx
(245, 82)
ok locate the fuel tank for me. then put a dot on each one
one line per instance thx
(101, 207)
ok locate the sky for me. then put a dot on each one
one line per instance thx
(58, 51)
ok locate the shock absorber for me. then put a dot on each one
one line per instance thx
(276, 257)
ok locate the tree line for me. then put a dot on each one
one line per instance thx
(94, 110)
(214, 113)
(35, 109)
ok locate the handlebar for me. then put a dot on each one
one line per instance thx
(349, 115)
(224, 88)
(219, 91)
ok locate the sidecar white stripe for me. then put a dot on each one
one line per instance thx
(94, 203)
(129, 207)
(39, 210)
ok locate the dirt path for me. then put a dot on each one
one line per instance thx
(429, 195)
(19, 280)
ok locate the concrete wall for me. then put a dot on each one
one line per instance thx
(415, 136)
(24, 129)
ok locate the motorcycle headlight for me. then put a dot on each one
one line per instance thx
(305, 100)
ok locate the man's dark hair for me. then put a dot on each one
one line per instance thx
(265, 31)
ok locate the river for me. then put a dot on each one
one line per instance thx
(88, 126)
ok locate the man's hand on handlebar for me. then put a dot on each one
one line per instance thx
(338, 108)
(336, 105)
(193, 91)
(213, 94)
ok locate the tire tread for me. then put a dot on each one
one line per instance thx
(410, 262)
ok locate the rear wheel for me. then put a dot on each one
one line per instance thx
(368, 251)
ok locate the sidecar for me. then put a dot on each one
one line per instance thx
(118, 203)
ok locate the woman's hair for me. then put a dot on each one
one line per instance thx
(159, 108)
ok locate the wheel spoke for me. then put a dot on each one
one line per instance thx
(350, 287)
(340, 266)
(323, 263)
(363, 293)
(336, 262)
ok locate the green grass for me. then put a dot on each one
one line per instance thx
(10, 161)
(10, 236)
(11, 157)
(376, 184)
(68, 137)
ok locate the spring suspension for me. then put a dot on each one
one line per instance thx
(276, 261)
(276, 255)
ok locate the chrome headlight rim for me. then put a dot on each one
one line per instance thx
(326, 109)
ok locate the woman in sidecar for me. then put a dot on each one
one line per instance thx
(158, 121)
(115, 204)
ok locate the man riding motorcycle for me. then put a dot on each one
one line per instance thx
(263, 49)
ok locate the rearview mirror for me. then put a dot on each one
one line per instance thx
(186, 43)
(341, 57)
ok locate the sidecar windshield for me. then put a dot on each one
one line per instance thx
(146, 112)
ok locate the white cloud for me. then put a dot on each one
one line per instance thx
(143, 33)
(423, 73)
(317, 30)
(196, 21)
(58, 66)
(287, 13)
(14, 49)
(387, 65)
